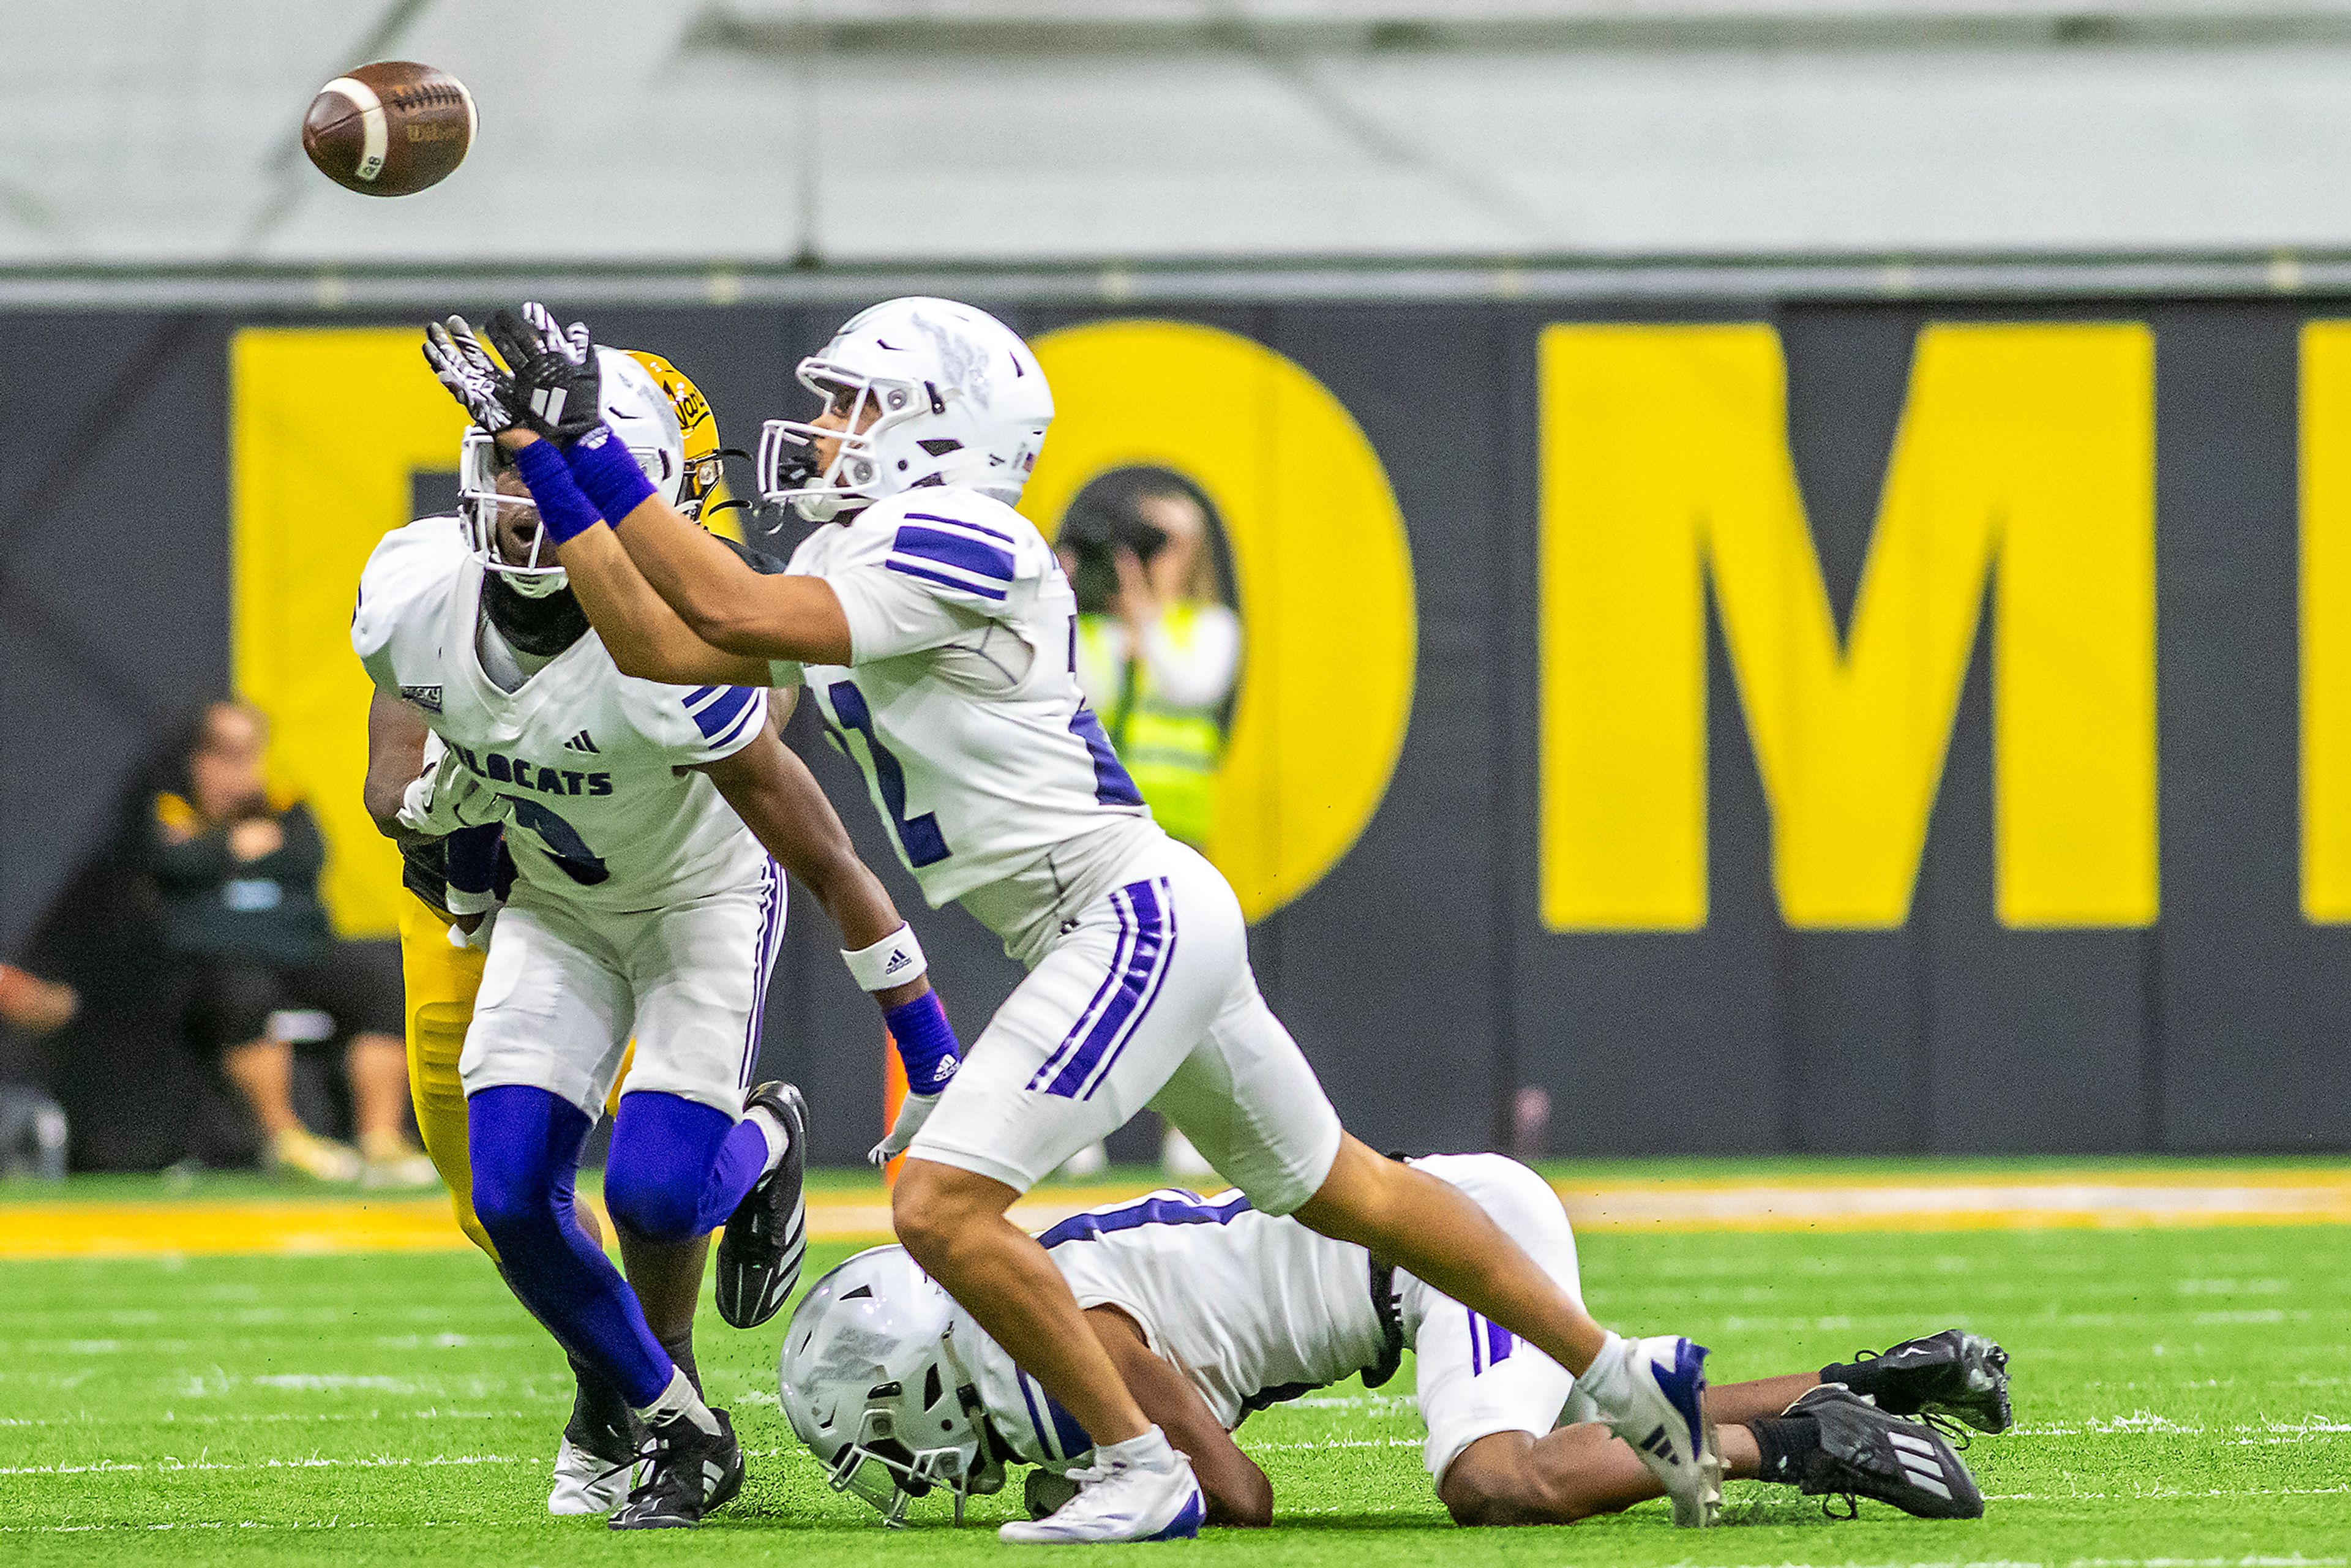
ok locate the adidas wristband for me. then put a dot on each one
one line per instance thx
(563, 511)
(895, 960)
(927, 1043)
(606, 472)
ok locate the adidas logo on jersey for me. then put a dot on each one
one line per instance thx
(580, 742)
(426, 697)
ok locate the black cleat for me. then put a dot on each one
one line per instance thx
(766, 1240)
(1865, 1452)
(1953, 1376)
(691, 1472)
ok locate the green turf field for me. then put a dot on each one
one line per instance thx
(2182, 1395)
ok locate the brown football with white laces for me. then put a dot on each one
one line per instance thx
(391, 129)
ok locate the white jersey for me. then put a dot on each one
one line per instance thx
(606, 814)
(961, 701)
(1255, 1309)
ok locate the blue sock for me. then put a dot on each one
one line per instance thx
(678, 1167)
(525, 1145)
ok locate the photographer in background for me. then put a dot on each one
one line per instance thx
(1159, 647)
(1158, 656)
(235, 873)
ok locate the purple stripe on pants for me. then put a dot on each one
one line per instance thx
(763, 969)
(1118, 903)
(1136, 984)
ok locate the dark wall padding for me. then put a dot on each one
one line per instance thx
(1418, 974)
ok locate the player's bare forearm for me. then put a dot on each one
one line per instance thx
(1235, 1491)
(786, 810)
(727, 603)
(1574, 1472)
(396, 735)
(646, 638)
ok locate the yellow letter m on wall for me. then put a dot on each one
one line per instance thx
(2025, 463)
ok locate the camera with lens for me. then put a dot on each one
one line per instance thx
(1094, 534)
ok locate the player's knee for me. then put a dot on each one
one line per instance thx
(663, 1147)
(931, 1212)
(1474, 1508)
(649, 1203)
(511, 1208)
(1363, 1198)
(1249, 1506)
(923, 1230)
(1492, 1483)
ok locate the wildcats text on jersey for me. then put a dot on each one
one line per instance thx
(500, 769)
(609, 804)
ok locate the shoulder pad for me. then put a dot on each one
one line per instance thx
(978, 549)
(407, 564)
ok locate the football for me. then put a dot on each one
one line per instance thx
(391, 129)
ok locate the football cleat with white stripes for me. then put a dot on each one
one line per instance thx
(1864, 1452)
(1651, 1393)
(1954, 1375)
(765, 1239)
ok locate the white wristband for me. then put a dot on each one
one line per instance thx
(895, 960)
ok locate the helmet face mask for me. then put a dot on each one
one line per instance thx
(855, 470)
(481, 503)
(919, 392)
(638, 412)
(870, 1383)
(875, 1466)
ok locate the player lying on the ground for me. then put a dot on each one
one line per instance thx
(1213, 1310)
(640, 904)
(935, 630)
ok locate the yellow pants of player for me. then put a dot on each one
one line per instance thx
(440, 979)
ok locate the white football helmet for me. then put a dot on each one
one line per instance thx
(956, 397)
(870, 1384)
(639, 412)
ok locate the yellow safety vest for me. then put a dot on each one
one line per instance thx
(1172, 752)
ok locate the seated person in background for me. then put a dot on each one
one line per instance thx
(237, 875)
(34, 1005)
(32, 1128)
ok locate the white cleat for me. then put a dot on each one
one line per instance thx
(588, 1483)
(1651, 1394)
(1153, 1500)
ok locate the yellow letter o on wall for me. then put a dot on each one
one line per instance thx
(1324, 572)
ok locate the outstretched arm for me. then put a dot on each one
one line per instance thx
(1236, 1492)
(645, 637)
(551, 396)
(724, 602)
(786, 810)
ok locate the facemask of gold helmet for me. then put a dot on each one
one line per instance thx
(703, 498)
